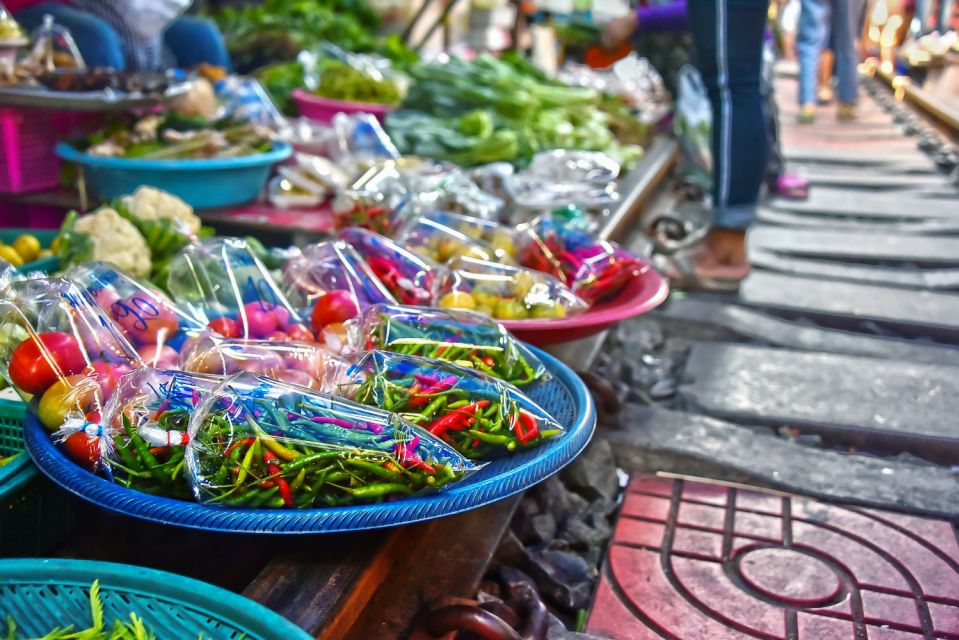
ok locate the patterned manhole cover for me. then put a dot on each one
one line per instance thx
(694, 561)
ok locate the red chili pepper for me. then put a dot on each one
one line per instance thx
(441, 425)
(524, 426)
(488, 361)
(245, 442)
(270, 459)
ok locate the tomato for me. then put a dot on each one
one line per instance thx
(333, 307)
(83, 449)
(226, 327)
(278, 336)
(33, 371)
(106, 376)
(73, 393)
(299, 333)
(146, 320)
(282, 317)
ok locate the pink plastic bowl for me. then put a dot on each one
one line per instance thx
(643, 293)
(323, 109)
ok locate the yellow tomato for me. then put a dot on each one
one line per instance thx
(73, 393)
(457, 300)
(510, 310)
(27, 246)
(548, 311)
(10, 254)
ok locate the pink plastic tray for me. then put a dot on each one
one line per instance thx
(644, 293)
(323, 109)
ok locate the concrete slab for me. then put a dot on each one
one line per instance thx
(696, 560)
(946, 279)
(651, 440)
(848, 305)
(842, 202)
(868, 403)
(740, 323)
(857, 247)
(916, 226)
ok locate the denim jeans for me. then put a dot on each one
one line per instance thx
(832, 21)
(728, 36)
(188, 40)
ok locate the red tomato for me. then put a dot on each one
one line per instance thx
(84, 450)
(278, 336)
(106, 376)
(260, 321)
(227, 327)
(333, 307)
(160, 357)
(300, 333)
(32, 372)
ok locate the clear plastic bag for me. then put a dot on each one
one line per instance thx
(593, 269)
(448, 188)
(147, 318)
(259, 443)
(332, 270)
(145, 428)
(504, 292)
(377, 200)
(222, 282)
(478, 415)
(58, 345)
(408, 276)
(436, 237)
(299, 363)
(563, 165)
(465, 338)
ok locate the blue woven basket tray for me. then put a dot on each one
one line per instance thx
(42, 594)
(565, 397)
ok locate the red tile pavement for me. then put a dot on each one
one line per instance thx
(695, 561)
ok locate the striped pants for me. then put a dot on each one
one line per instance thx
(728, 35)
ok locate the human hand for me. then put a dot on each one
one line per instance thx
(617, 31)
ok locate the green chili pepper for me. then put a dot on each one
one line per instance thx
(379, 490)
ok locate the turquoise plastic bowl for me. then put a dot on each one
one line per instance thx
(204, 184)
(41, 594)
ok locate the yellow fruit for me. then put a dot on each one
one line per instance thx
(10, 254)
(55, 245)
(548, 311)
(44, 253)
(457, 300)
(27, 246)
(522, 282)
(509, 310)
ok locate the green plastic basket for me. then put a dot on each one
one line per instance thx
(45, 236)
(40, 594)
(35, 514)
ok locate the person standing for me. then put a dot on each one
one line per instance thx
(728, 38)
(822, 21)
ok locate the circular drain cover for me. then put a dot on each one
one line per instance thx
(788, 576)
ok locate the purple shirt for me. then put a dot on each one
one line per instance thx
(663, 17)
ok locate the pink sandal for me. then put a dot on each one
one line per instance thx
(791, 187)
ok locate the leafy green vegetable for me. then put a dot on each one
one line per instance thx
(340, 81)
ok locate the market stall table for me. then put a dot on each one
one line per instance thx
(325, 583)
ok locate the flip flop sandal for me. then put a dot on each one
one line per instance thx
(791, 187)
(681, 272)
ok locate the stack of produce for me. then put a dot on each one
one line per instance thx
(490, 110)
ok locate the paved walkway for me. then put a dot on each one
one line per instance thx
(829, 386)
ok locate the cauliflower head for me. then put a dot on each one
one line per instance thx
(148, 203)
(116, 240)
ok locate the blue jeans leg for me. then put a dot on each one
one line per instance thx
(728, 35)
(98, 43)
(194, 40)
(813, 32)
(844, 28)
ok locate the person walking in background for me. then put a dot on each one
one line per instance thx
(820, 22)
(728, 37)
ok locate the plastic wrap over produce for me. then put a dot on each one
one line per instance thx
(408, 276)
(443, 187)
(378, 200)
(504, 292)
(480, 416)
(257, 443)
(465, 338)
(147, 318)
(142, 439)
(58, 345)
(431, 236)
(593, 269)
(329, 272)
(302, 363)
(222, 281)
